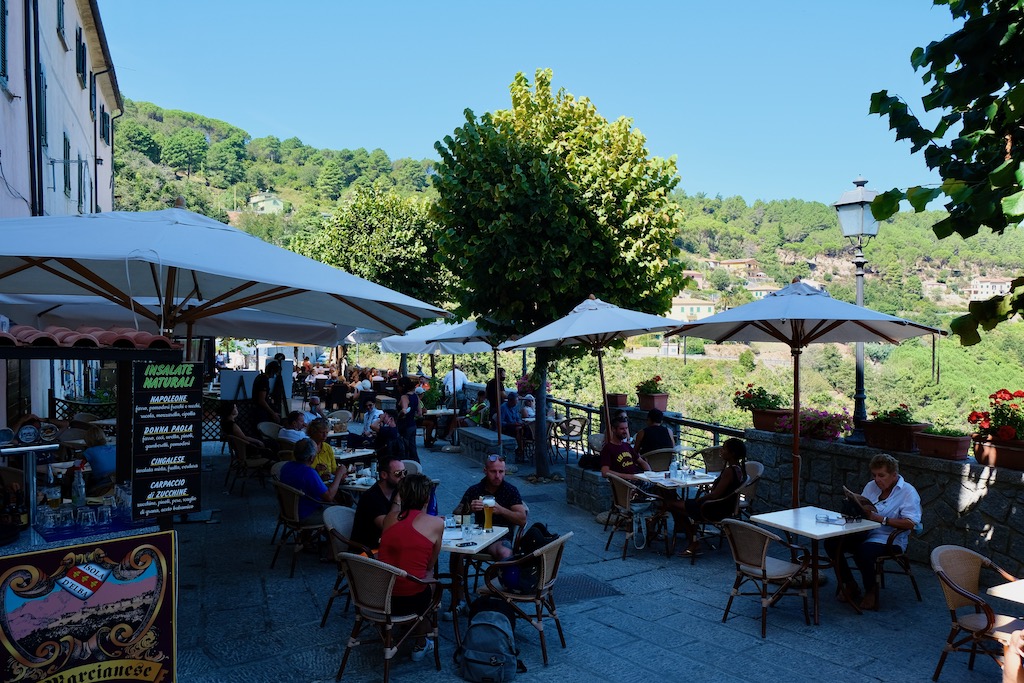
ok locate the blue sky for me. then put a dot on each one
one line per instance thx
(766, 100)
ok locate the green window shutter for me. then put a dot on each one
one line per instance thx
(3, 41)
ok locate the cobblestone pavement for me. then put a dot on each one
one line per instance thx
(646, 618)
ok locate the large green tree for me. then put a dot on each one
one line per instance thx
(548, 202)
(185, 150)
(384, 238)
(977, 81)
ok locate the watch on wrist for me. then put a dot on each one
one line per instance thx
(885, 521)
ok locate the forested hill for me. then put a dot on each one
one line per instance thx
(163, 153)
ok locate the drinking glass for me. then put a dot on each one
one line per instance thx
(821, 519)
(105, 514)
(86, 517)
(489, 504)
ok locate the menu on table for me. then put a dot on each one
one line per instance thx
(167, 415)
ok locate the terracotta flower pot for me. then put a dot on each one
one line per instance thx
(1008, 454)
(615, 400)
(946, 447)
(893, 437)
(767, 419)
(652, 401)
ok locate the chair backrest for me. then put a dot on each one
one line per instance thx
(339, 519)
(343, 415)
(269, 429)
(660, 458)
(712, 457)
(319, 384)
(71, 434)
(717, 509)
(748, 492)
(287, 501)
(237, 446)
(370, 582)
(622, 491)
(595, 442)
(749, 543)
(275, 469)
(550, 557)
(958, 567)
(412, 467)
(84, 417)
(574, 427)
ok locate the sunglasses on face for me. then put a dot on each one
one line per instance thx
(399, 473)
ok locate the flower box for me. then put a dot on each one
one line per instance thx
(891, 436)
(946, 447)
(615, 400)
(1008, 454)
(652, 401)
(767, 419)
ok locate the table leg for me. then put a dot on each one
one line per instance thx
(815, 594)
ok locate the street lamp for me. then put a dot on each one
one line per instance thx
(859, 225)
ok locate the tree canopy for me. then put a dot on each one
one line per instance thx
(976, 76)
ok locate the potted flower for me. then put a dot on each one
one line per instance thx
(893, 429)
(943, 442)
(818, 424)
(998, 439)
(765, 407)
(651, 394)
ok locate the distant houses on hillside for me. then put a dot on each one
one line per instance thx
(987, 287)
(688, 309)
(266, 202)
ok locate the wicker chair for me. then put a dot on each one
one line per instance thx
(713, 513)
(711, 458)
(570, 434)
(750, 545)
(269, 429)
(547, 559)
(338, 520)
(247, 462)
(634, 511)
(894, 553)
(748, 492)
(371, 583)
(978, 629)
(660, 458)
(292, 527)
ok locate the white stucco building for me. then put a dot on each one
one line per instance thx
(58, 96)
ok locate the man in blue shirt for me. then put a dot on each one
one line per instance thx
(512, 422)
(299, 474)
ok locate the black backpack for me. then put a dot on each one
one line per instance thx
(488, 651)
(523, 578)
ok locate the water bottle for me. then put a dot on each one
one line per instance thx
(432, 505)
(78, 489)
(673, 469)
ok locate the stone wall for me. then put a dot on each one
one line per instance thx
(587, 490)
(478, 442)
(963, 503)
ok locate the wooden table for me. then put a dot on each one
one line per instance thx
(802, 522)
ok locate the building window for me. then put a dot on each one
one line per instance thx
(3, 43)
(104, 125)
(80, 67)
(60, 23)
(81, 184)
(92, 96)
(67, 165)
(41, 94)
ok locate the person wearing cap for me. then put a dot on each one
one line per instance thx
(528, 410)
(655, 435)
(315, 410)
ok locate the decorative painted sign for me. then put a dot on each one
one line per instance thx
(101, 612)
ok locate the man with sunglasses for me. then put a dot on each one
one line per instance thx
(375, 503)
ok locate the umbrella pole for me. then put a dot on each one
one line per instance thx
(796, 427)
(188, 341)
(604, 395)
(497, 398)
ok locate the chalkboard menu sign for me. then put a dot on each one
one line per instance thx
(167, 415)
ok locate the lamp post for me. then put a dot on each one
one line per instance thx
(859, 225)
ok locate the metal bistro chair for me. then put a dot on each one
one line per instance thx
(982, 630)
(339, 519)
(293, 529)
(245, 465)
(572, 434)
(748, 492)
(660, 458)
(371, 583)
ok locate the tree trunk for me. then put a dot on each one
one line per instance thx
(540, 435)
(403, 365)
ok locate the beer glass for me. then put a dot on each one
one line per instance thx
(488, 512)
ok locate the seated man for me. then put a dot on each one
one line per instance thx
(375, 504)
(619, 457)
(655, 435)
(371, 416)
(509, 510)
(299, 474)
(511, 421)
(315, 410)
(294, 427)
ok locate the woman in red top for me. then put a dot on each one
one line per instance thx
(411, 540)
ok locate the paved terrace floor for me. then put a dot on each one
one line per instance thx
(646, 618)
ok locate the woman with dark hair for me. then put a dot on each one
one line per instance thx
(408, 410)
(411, 540)
(684, 512)
(229, 427)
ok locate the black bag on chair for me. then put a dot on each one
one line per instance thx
(523, 578)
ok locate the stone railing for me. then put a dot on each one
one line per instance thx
(963, 503)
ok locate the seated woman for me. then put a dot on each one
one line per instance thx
(228, 427)
(411, 540)
(476, 417)
(897, 506)
(685, 511)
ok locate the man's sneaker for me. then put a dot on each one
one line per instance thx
(418, 653)
(462, 610)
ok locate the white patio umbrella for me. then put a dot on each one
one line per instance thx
(41, 310)
(798, 315)
(194, 266)
(596, 324)
(424, 340)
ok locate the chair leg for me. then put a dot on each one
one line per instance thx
(764, 609)
(352, 642)
(540, 630)
(553, 613)
(334, 593)
(735, 591)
